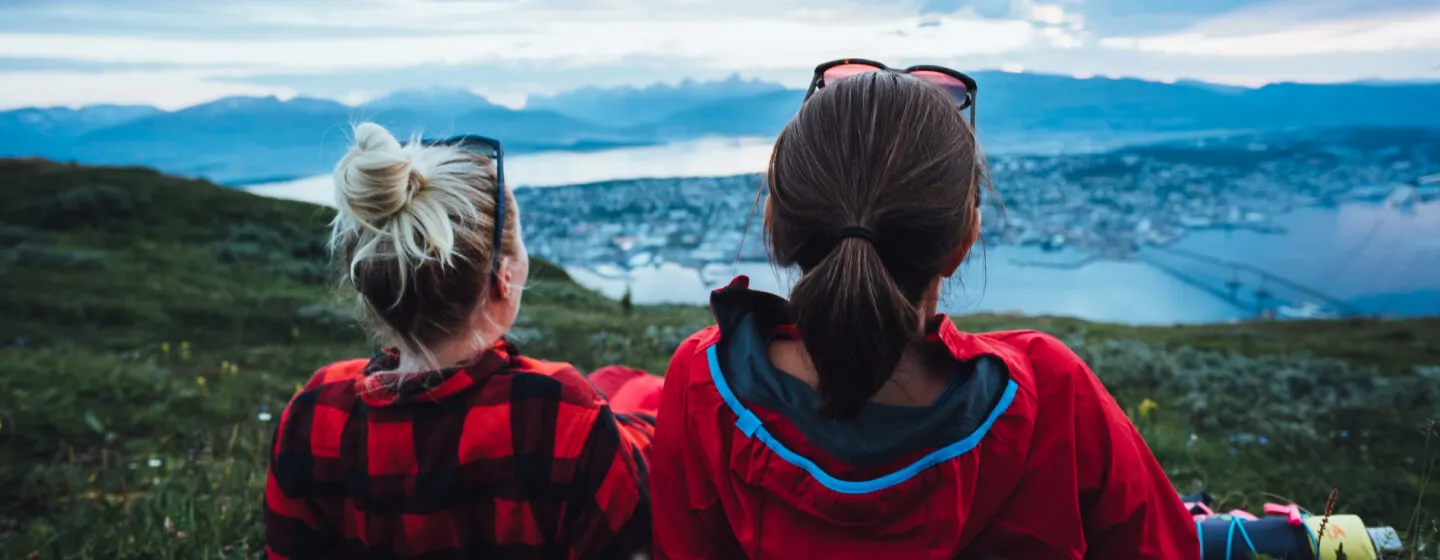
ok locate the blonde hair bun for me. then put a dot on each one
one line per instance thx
(403, 205)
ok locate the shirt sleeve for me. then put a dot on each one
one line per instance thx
(290, 532)
(682, 531)
(607, 514)
(1135, 511)
(295, 527)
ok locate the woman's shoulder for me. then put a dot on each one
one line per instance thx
(331, 378)
(562, 381)
(1035, 359)
(318, 409)
(343, 371)
(1055, 371)
(693, 352)
(1037, 347)
(700, 341)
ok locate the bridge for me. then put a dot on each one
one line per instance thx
(1263, 293)
(1247, 286)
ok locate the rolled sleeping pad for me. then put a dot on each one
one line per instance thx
(1235, 539)
(1345, 538)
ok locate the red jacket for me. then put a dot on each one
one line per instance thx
(505, 456)
(1026, 456)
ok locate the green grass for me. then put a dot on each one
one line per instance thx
(1394, 346)
(163, 318)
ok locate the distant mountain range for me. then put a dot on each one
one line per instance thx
(238, 140)
(630, 106)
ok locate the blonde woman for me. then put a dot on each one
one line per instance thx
(450, 442)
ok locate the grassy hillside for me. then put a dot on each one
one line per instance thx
(152, 328)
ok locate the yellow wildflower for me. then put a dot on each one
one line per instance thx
(200, 381)
(1146, 406)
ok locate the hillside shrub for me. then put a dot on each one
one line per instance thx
(85, 206)
(12, 235)
(326, 316)
(29, 254)
(1293, 425)
(285, 250)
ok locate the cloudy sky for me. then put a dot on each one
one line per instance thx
(174, 53)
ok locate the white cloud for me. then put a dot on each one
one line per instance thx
(357, 97)
(366, 14)
(1050, 14)
(754, 36)
(1061, 39)
(1047, 14)
(1060, 28)
(725, 42)
(505, 49)
(1393, 32)
(511, 100)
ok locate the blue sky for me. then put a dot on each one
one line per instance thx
(174, 53)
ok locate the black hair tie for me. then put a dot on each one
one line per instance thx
(856, 231)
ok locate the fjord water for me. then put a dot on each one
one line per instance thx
(709, 157)
(1379, 259)
(1113, 291)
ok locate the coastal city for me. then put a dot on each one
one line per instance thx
(1104, 205)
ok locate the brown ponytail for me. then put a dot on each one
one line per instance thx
(890, 154)
(850, 309)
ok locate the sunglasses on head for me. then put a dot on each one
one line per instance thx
(490, 148)
(960, 87)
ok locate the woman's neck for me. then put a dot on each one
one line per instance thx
(919, 378)
(450, 353)
(929, 304)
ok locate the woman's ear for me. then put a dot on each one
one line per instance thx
(503, 286)
(962, 249)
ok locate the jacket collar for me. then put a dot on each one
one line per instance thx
(748, 320)
(383, 386)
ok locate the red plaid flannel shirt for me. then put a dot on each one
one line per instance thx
(506, 457)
